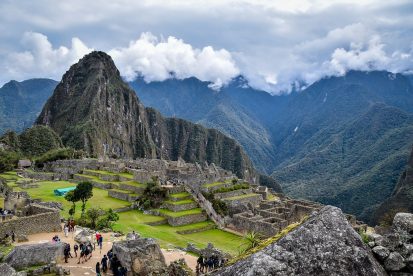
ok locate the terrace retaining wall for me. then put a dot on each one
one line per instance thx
(188, 219)
(43, 219)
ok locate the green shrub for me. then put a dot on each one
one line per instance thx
(153, 195)
(220, 207)
(8, 160)
(38, 140)
(365, 238)
(59, 154)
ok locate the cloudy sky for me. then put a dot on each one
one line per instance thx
(272, 43)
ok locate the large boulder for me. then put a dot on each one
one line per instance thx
(403, 223)
(7, 270)
(325, 244)
(141, 256)
(23, 256)
(84, 235)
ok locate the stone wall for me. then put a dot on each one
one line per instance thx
(43, 220)
(189, 219)
(180, 207)
(253, 199)
(232, 193)
(132, 188)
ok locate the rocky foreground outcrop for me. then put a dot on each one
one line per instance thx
(325, 244)
(394, 249)
(23, 256)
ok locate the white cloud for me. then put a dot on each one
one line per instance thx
(40, 59)
(275, 44)
(157, 59)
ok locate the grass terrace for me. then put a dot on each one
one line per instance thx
(181, 202)
(181, 213)
(168, 236)
(240, 196)
(214, 184)
(179, 195)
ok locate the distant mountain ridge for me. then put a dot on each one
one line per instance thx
(21, 102)
(93, 109)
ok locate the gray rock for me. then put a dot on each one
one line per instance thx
(403, 222)
(381, 252)
(132, 236)
(141, 256)
(409, 263)
(34, 254)
(325, 244)
(84, 236)
(372, 244)
(394, 262)
(7, 270)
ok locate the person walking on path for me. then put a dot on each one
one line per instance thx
(104, 263)
(98, 269)
(66, 230)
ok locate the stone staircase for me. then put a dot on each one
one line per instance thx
(181, 209)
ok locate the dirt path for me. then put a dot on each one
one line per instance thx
(88, 268)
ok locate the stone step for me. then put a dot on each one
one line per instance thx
(182, 205)
(180, 196)
(233, 193)
(123, 195)
(210, 187)
(183, 217)
(252, 198)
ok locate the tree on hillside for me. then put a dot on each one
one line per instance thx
(93, 214)
(70, 196)
(83, 191)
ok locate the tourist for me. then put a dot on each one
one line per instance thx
(66, 230)
(66, 252)
(110, 256)
(98, 269)
(115, 264)
(13, 236)
(104, 263)
(100, 243)
(200, 262)
(90, 249)
(123, 271)
(75, 248)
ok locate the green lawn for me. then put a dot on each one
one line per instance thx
(185, 201)
(240, 196)
(168, 238)
(179, 195)
(209, 185)
(100, 197)
(181, 213)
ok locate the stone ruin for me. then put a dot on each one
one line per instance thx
(270, 217)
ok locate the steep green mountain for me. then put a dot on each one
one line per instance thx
(354, 166)
(401, 199)
(236, 110)
(93, 109)
(21, 102)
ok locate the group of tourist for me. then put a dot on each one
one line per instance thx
(110, 261)
(86, 250)
(55, 238)
(5, 212)
(204, 264)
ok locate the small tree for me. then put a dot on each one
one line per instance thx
(70, 196)
(83, 191)
(93, 214)
(108, 220)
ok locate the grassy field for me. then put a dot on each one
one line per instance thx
(100, 197)
(168, 238)
(180, 213)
